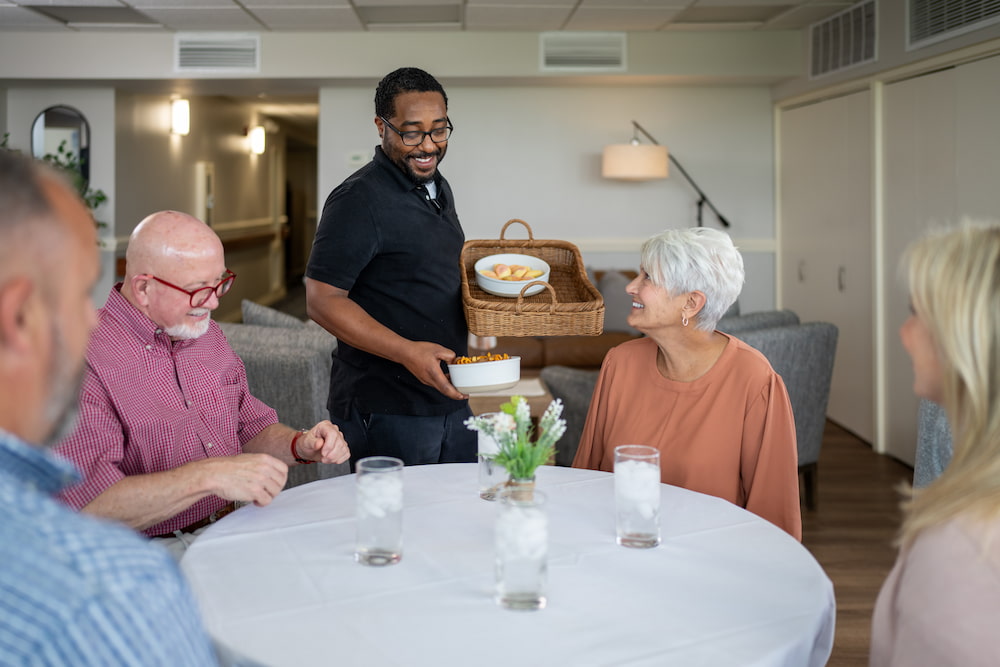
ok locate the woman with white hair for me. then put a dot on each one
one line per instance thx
(711, 404)
(940, 604)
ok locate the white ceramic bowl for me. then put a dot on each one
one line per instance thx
(485, 375)
(498, 287)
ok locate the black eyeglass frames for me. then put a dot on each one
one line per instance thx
(438, 135)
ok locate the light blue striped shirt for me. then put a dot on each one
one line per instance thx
(78, 591)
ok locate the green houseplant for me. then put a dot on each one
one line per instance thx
(69, 163)
(513, 431)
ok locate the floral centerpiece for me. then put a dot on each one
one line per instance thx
(512, 430)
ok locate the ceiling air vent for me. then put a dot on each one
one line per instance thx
(930, 21)
(583, 51)
(843, 40)
(216, 52)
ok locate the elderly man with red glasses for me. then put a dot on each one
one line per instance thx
(169, 436)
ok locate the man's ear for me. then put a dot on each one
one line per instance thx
(139, 285)
(16, 312)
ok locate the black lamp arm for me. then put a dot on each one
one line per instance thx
(704, 198)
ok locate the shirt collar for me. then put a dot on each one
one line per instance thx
(35, 466)
(122, 310)
(399, 177)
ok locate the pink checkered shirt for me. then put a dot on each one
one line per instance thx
(150, 405)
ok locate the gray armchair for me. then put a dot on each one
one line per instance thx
(288, 367)
(934, 446)
(803, 356)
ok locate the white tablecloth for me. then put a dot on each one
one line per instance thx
(280, 584)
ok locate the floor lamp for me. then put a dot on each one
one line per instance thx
(638, 162)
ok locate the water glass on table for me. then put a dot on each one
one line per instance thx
(522, 546)
(379, 482)
(637, 495)
(492, 476)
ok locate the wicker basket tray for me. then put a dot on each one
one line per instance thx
(568, 306)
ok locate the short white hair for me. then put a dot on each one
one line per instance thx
(696, 259)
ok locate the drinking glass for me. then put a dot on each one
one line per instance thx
(491, 475)
(379, 482)
(637, 496)
(522, 544)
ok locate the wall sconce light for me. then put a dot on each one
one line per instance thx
(258, 138)
(180, 116)
(637, 162)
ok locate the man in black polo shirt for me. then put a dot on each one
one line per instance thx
(384, 278)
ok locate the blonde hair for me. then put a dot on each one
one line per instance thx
(954, 281)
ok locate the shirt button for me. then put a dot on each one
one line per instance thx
(209, 445)
(149, 347)
(188, 403)
(159, 331)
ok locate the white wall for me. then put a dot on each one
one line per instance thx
(534, 153)
(156, 171)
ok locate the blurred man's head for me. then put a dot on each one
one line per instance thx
(48, 268)
(175, 272)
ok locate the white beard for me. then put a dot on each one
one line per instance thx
(189, 331)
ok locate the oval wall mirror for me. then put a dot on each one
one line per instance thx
(63, 134)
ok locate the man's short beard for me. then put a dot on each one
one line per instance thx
(62, 406)
(189, 331)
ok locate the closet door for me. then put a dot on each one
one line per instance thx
(825, 199)
(942, 164)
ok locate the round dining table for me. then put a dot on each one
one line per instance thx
(279, 584)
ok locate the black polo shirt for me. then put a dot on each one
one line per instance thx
(398, 256)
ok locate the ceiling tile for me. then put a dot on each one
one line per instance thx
(66, 3)
(182, 4)
(214, 18)
(801, 17)
(293, 6)
(756, 13)
(95, 15)
(737, 4)
(607, 18)
(637, 4)
(521, 4)
(19, 18)
(404, 5)
(491, 17)
(308, 18)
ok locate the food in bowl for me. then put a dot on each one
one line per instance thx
(506, 274)
(512, 272)
(485, 374)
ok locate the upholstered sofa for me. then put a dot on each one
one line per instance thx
(288, 367)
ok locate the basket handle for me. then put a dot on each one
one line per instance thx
(550, 288)
(531, 237)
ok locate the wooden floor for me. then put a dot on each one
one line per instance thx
(851, 533)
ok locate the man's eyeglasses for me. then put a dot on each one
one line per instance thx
(201, 295)
(438, 135)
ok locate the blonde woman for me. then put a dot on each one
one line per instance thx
(941, 603)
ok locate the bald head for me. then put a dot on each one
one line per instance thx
(169, 256)
(168, 238)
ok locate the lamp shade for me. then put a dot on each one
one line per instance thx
(634, 162)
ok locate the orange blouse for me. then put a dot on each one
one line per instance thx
(729, 434)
